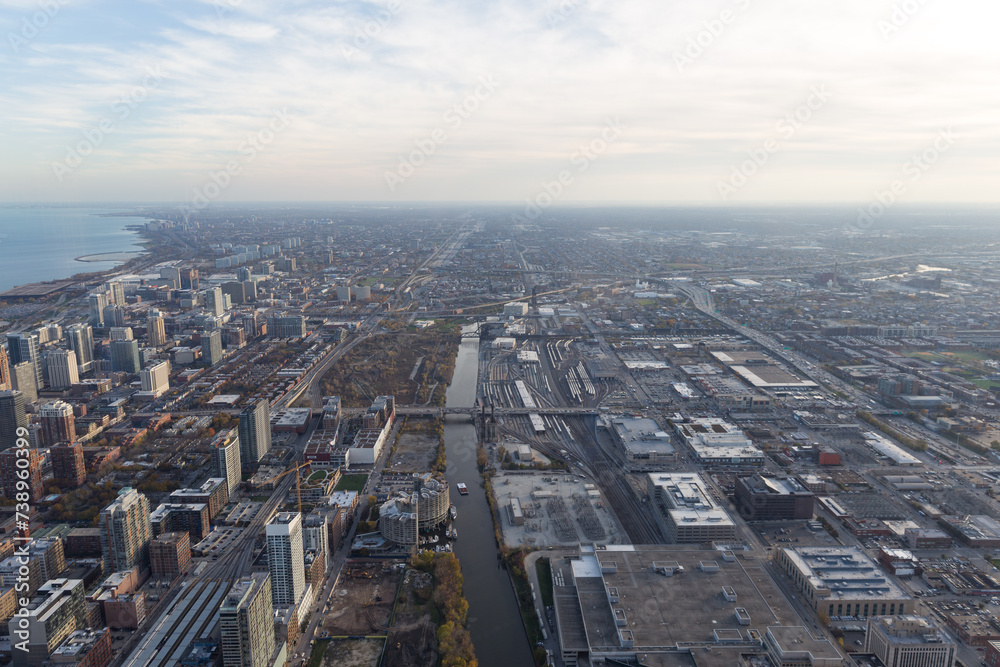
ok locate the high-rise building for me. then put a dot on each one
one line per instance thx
(170, 554)
(214, 303)
(913, 641)
(285, 557)
(226, 458)
(243, 274)
(189, 279)
(172, 275)
(10, 473)
(4, 369)
(125, 356)
(114, 316)
(211, 346)
(23, 377)
(58, 609)
(249, 290)
(80, 338)
(234, 290)
(125, 531)
(246, 623)
(12, 417)
(57, 422)
(316, 536)
(98, 301)
(64, 371)
(68, 469)
(156, 329)
(156, 378)
(121, 333)
(117, 289)
(23, 347)
(255, 433)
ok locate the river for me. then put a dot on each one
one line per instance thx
(494, 618)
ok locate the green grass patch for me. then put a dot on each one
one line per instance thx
(316, 656)
(543, 568)
(352, 483)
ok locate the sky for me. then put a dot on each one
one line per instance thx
(551, 101)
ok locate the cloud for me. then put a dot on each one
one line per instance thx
(365, 80)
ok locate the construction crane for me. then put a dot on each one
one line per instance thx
(298, 481)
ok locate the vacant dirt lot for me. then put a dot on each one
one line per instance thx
(353, 653)
(362, 602)
(413, 640)
(417, 446)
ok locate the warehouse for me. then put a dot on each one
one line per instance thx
(843, 581)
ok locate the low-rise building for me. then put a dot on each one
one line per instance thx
(771, 498)
(843, 581)
(84, 648)
(914, 641)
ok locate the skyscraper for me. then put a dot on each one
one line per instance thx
(12, 417)
(64, 371)
(68, 469)
(213, 301)
(172, 275)
(156, 378)
(80, 338)
(125, 531)
(246, 624)
(226, 458)
(114, 316)
(10, 473)
(4, 369)
(211, 346)
(285, 557)
(58, 424)
(125, 356)
(23, 379)
(156, 329)
(255, 433)
(120, 333)
(98, 302)
(117, 292)
(189, 279)
(23, 347)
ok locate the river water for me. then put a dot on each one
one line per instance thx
(494, 618)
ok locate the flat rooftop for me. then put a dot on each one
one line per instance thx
(663, 612)
(847, 572)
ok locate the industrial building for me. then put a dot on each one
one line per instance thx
(914, 641)
(842, 581)
(686, 510)
(644, 442)
(771, 498)
(676, 605)
(978, 531)
(714, 441)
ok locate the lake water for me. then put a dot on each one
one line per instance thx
(42, 243)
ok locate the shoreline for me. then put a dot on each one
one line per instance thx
(120, 256)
